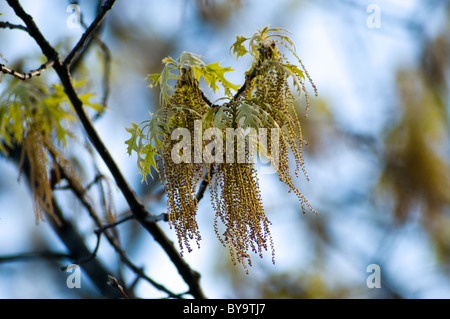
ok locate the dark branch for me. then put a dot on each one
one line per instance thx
(7, 25)
(29, 75)
(201, 190)
(204, 184)
(207, 101)
(151, 219)
(89, 31)
(190, 276)
(35, 255)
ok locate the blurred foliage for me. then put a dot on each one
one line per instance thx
(417, 149)
(40, 119)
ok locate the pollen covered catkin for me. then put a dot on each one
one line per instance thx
(180, 179)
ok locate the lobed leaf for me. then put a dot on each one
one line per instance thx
(145, 164)
(249, 116)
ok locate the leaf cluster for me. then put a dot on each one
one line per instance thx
(264, 101)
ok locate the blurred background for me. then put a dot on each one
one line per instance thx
(378, 153)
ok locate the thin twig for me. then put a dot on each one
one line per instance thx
(94, 181)
(120, 221)
(132, 286)
(204, 184)
(88, 186)
(106, 73)
(106, 59)
(43, 254)
(29, 75)
(87, 258)
(201, 190)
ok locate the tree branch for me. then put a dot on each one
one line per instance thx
(201, 189)
(89, 31)
(29, 75)
(113, 282)
(7, 25)
(190, 276)
(111, 225)
(152, 218)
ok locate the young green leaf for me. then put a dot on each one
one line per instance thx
(249, 115)
(190, 60)
(95, 106)
(145, 164)
(154, 79)
(155, 130)
(208, 118)
(219, 72)
(222, 119)
(166, 88)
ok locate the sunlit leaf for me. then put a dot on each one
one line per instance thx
(95, 106)
(188, 59)
(219, 72)
(238, 47)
